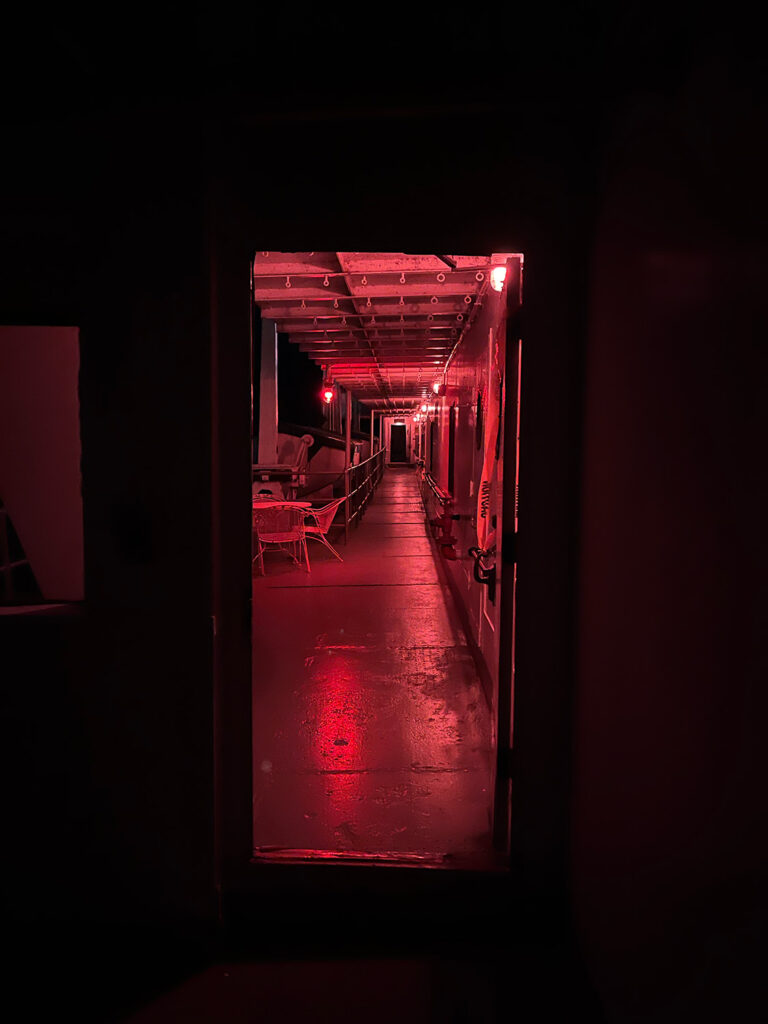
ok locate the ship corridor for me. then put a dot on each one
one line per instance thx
(371, 730)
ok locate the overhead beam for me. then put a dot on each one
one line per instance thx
(274, 288)
(414, 339)
(320, 349)
(377, 374)
(389, 363)
(282, 308)
(382, 321)
(270, 264)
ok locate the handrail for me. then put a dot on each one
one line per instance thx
(360, 482)
(307, 470)
(301, 483)
(442, 521)
(369, 459)
(442, 496)
(360, 491)
(261, 473)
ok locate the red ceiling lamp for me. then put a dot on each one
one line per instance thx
(328, 393)
(498, 276)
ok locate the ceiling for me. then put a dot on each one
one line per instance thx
(382, 324)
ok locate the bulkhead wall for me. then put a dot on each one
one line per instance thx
(472, 390)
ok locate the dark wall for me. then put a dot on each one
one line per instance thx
(669, 839)
(111, 750)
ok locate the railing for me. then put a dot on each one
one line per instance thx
(299, 483)
(360, 482)
(438, 505)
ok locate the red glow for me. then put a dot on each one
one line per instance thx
(424, 407)
(498, 276)
(328, 395)
(339, 709)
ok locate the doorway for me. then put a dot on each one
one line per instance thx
(374, 730)
(397, 443)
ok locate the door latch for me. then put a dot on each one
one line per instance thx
(483, 572)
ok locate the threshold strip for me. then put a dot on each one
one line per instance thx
(285, 855)
(330, 586)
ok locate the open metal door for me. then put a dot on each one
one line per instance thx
(506, 560)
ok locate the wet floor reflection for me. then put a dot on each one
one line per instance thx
(368, 710)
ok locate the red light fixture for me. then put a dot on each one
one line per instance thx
(328, 393)
(498, 276)
(424, 407)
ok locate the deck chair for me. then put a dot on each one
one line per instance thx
(282, 526)
(318, 523)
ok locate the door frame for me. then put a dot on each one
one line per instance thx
(233, 643)
(507, 556)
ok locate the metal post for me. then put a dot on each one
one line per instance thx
(381, 445)
(347, 462)
(268, 412)
(375, 464)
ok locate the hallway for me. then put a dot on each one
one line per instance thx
(371, 730)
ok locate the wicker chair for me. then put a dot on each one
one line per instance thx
(280, 525)
(319, 522)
